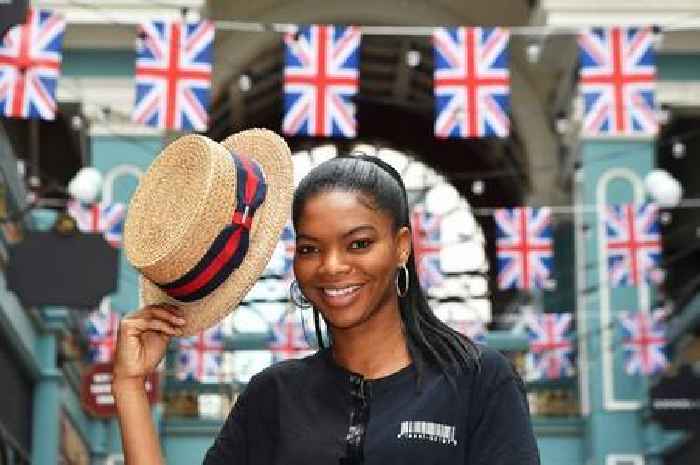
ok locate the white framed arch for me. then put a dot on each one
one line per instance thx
(610, 402)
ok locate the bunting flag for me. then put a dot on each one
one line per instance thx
(474, 329)
(99, 217)
(633, 241)
(101, 327)
(471, 82)
(283, 256)
(524, 247)
(30, 62)
(321, 76)
(200, 358)
(617, 76)
(289, 340)
(644, 342)
(173, 74)
(426, 246)
(551, 352)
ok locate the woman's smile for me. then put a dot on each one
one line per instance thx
(340, 296)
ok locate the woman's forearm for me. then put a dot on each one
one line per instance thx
(139, 436)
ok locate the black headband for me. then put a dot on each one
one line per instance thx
(383, 165)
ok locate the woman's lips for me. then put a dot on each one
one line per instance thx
(340, 296)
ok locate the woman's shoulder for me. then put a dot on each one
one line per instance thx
(493, 369)
(287, 370)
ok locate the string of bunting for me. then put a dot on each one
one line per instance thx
(321, 75)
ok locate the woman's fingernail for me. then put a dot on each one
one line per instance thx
(180, 321)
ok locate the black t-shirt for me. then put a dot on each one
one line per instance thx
(298, 412)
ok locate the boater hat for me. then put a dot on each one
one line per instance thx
(204, 220)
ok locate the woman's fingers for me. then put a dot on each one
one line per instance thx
(165, 319)
(163, 327)
(172, 315)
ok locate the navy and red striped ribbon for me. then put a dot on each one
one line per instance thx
(229, 248)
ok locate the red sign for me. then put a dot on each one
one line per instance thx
(96, 390)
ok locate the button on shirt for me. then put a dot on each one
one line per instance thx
(298, 412)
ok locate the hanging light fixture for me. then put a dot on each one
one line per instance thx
(86, 185)
(663, 188)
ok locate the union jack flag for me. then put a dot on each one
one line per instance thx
(644, 342)
(474, 329)
(426, 246)
(30, 62)
(283, 256)
(551, 352)
(201, 358)
(321, 76)
(173, 74)
(99, 217)
(633, 237)
(524, 247)
(471, 82)
(101, 327)
(289, 339)
(618, 72)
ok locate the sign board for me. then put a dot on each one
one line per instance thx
(675, 401)
(77, 270)
(96, 390)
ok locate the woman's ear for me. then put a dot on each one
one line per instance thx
(403, 244)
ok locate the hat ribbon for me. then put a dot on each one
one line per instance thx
(229, 248)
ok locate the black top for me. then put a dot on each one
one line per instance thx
(298, 412)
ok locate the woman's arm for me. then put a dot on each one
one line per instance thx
(139, 437)
(141, 344)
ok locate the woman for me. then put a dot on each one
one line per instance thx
(394, 385)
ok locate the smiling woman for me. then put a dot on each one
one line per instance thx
(394, 384)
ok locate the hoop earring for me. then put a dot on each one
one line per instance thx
(402, 293)
(297, 297)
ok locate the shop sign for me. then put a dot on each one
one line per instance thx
(675, 401)
(96, 390)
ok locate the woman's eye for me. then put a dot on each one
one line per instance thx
(360, 244)
(305, 249)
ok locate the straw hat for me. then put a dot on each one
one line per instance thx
(194, 212)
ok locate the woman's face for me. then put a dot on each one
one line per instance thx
(346, 258)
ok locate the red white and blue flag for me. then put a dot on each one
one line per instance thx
(617, 79)
(173, 74)
(321, 77)
(474, 329)
(471, 82)
(289, 340)
(201, 358)
(101, 327)
(633, 238)
(644, 342)
(30, 63)
(426, 246)
(524, 247)
(283, 256)
(99, 217)
(551, 352)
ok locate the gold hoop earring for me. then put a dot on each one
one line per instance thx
(402, 293)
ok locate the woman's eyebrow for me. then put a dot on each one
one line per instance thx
(364, 227)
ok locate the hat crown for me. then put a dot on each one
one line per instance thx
(182, 202)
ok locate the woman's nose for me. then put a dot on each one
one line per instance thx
(334, 262)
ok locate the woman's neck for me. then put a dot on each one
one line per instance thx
(374, 349)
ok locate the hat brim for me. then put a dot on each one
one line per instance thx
(273, 154)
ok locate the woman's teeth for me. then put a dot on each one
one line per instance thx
(340, 291)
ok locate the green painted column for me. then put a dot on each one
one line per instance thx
(46, 403)
(612, 172)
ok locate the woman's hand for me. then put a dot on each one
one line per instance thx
(143, 339)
